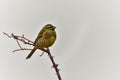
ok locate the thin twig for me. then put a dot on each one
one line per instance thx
(21, 49)
(7, 35)
(18, 43)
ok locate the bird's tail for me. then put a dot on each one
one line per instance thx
(31, 53)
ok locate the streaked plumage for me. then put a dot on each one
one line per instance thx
(45, 38)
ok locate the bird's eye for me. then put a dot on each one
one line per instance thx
(53, 29)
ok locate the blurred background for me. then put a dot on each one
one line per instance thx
(87, 45)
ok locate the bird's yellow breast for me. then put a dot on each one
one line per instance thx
(48, 42)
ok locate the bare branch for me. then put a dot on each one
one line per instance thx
(55, 66)
(20, 38)
(29, 42)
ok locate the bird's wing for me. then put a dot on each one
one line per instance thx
(39, 35)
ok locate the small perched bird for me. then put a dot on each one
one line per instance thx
(45, 38)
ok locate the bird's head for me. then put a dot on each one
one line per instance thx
(50, 27)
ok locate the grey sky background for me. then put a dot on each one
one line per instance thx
(87, 45)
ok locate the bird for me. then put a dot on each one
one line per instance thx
(45, 39)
